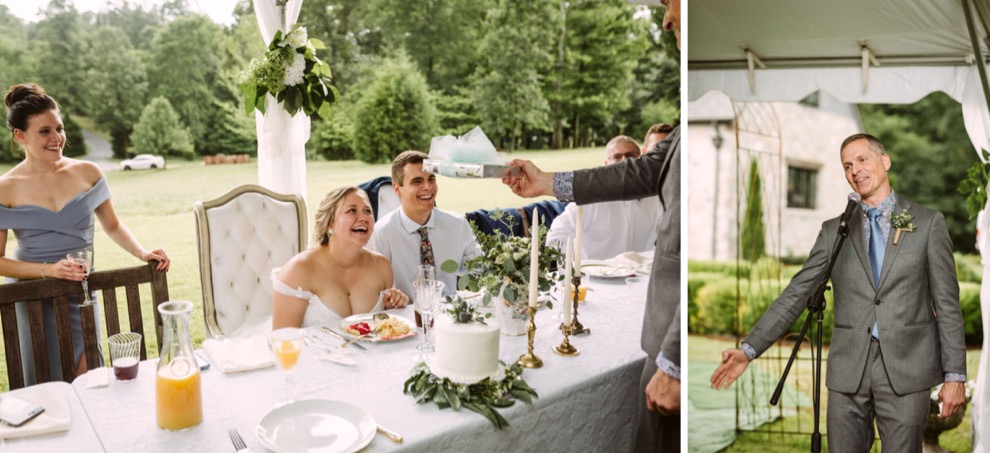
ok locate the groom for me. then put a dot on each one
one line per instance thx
(898, 324)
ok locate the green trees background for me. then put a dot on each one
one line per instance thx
(546, 73)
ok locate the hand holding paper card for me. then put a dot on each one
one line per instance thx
(471, 155)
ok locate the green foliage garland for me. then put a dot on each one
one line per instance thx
(484, 397)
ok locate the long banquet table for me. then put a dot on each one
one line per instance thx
(586, 403)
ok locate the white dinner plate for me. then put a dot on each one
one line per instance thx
(368, 318)
(316, 426)
(606, 271)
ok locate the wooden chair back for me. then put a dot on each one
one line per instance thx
(35, 293)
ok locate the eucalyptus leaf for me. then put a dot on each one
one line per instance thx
(449, 266)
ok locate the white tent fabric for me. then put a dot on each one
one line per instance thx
(281, 138)
(859, 51)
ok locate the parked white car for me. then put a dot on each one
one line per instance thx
(143, 162)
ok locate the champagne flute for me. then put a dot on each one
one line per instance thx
(286, 344)
(84, 259)
(425, 272)
(427, 295)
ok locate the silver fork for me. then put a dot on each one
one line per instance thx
(235, 438)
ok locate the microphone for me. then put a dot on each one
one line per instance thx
(854, 199)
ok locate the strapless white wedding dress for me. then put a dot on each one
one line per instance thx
(317, 313)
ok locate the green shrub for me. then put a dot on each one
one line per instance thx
(395, 113)
(766, 267)
(753, 234)
(715, 303)
(160, 131)
(969, 268)
(333, 137)
(719, 267)
(697, 281)
(969, 299)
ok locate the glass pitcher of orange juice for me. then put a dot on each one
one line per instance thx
(179, 395)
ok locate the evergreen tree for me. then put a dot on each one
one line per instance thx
(753, 235)
(591, 82)
(506, 90)
(161, 132)
(118, 85)
(395, 113)
(183, 66)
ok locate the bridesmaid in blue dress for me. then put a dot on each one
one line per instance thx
(48, 201)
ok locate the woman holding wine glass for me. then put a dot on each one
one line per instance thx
(49, 202)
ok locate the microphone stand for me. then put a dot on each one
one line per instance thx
(816, 308)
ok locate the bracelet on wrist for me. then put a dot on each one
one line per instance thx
(43, 271)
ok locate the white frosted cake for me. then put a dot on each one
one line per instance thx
(465, 352)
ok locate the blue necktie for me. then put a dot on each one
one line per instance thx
(877, 247)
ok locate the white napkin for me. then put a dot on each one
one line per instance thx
(232, 355)
(97, 377)
(54, 419)
(640, 262)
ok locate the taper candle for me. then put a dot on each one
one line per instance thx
(534, 261)
(578, 242)
(568, 256)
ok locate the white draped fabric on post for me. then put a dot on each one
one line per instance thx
(891, 52)
(281, 138)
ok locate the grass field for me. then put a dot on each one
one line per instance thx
(767, 438)
(157, 206)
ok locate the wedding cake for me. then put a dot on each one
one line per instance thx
(465, 352)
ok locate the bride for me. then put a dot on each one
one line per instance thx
(336, 277)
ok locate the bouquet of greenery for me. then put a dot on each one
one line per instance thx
(503, 267)
(292, 73)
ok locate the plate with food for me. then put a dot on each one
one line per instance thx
(377, 327)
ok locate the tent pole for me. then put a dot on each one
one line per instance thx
(980, 62)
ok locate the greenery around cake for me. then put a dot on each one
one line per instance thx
(483, 397)
(505, 260)
(463, 312)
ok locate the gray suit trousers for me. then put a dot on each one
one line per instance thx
(901, 419)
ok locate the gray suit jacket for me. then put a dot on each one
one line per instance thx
(916, 305)
(658, 172)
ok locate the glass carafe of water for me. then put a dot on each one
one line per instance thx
(179, 395)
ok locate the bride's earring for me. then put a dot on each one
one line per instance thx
(329, 231)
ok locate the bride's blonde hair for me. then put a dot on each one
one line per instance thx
(327, 212)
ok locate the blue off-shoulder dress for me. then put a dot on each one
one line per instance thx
(46, 236)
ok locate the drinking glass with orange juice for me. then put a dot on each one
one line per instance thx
(286, 346)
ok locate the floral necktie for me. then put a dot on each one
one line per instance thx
(425, 248)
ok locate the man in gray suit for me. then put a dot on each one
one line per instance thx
(898, 324)
(657, 172)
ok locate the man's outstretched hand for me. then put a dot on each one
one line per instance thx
(530, 182)
(734, 362)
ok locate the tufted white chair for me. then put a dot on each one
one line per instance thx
(241, 236)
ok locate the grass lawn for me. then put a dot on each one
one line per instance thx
(767, 439)
(157, 206)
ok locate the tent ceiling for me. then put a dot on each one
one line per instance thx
(811, 33)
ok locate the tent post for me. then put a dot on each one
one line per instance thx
(980, 61)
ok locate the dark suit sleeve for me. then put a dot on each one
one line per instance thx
(944, 287)
(793, 300)
(628, 180)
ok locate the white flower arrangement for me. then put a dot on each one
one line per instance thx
(291, 71)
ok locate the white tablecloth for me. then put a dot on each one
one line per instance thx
(586, 403)
(79, 438)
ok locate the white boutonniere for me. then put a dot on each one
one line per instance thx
(902, 223)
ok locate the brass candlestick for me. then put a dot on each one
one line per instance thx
(576, 325)
(565, 348)
(530, 360)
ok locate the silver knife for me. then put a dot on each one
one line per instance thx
(338, 336)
